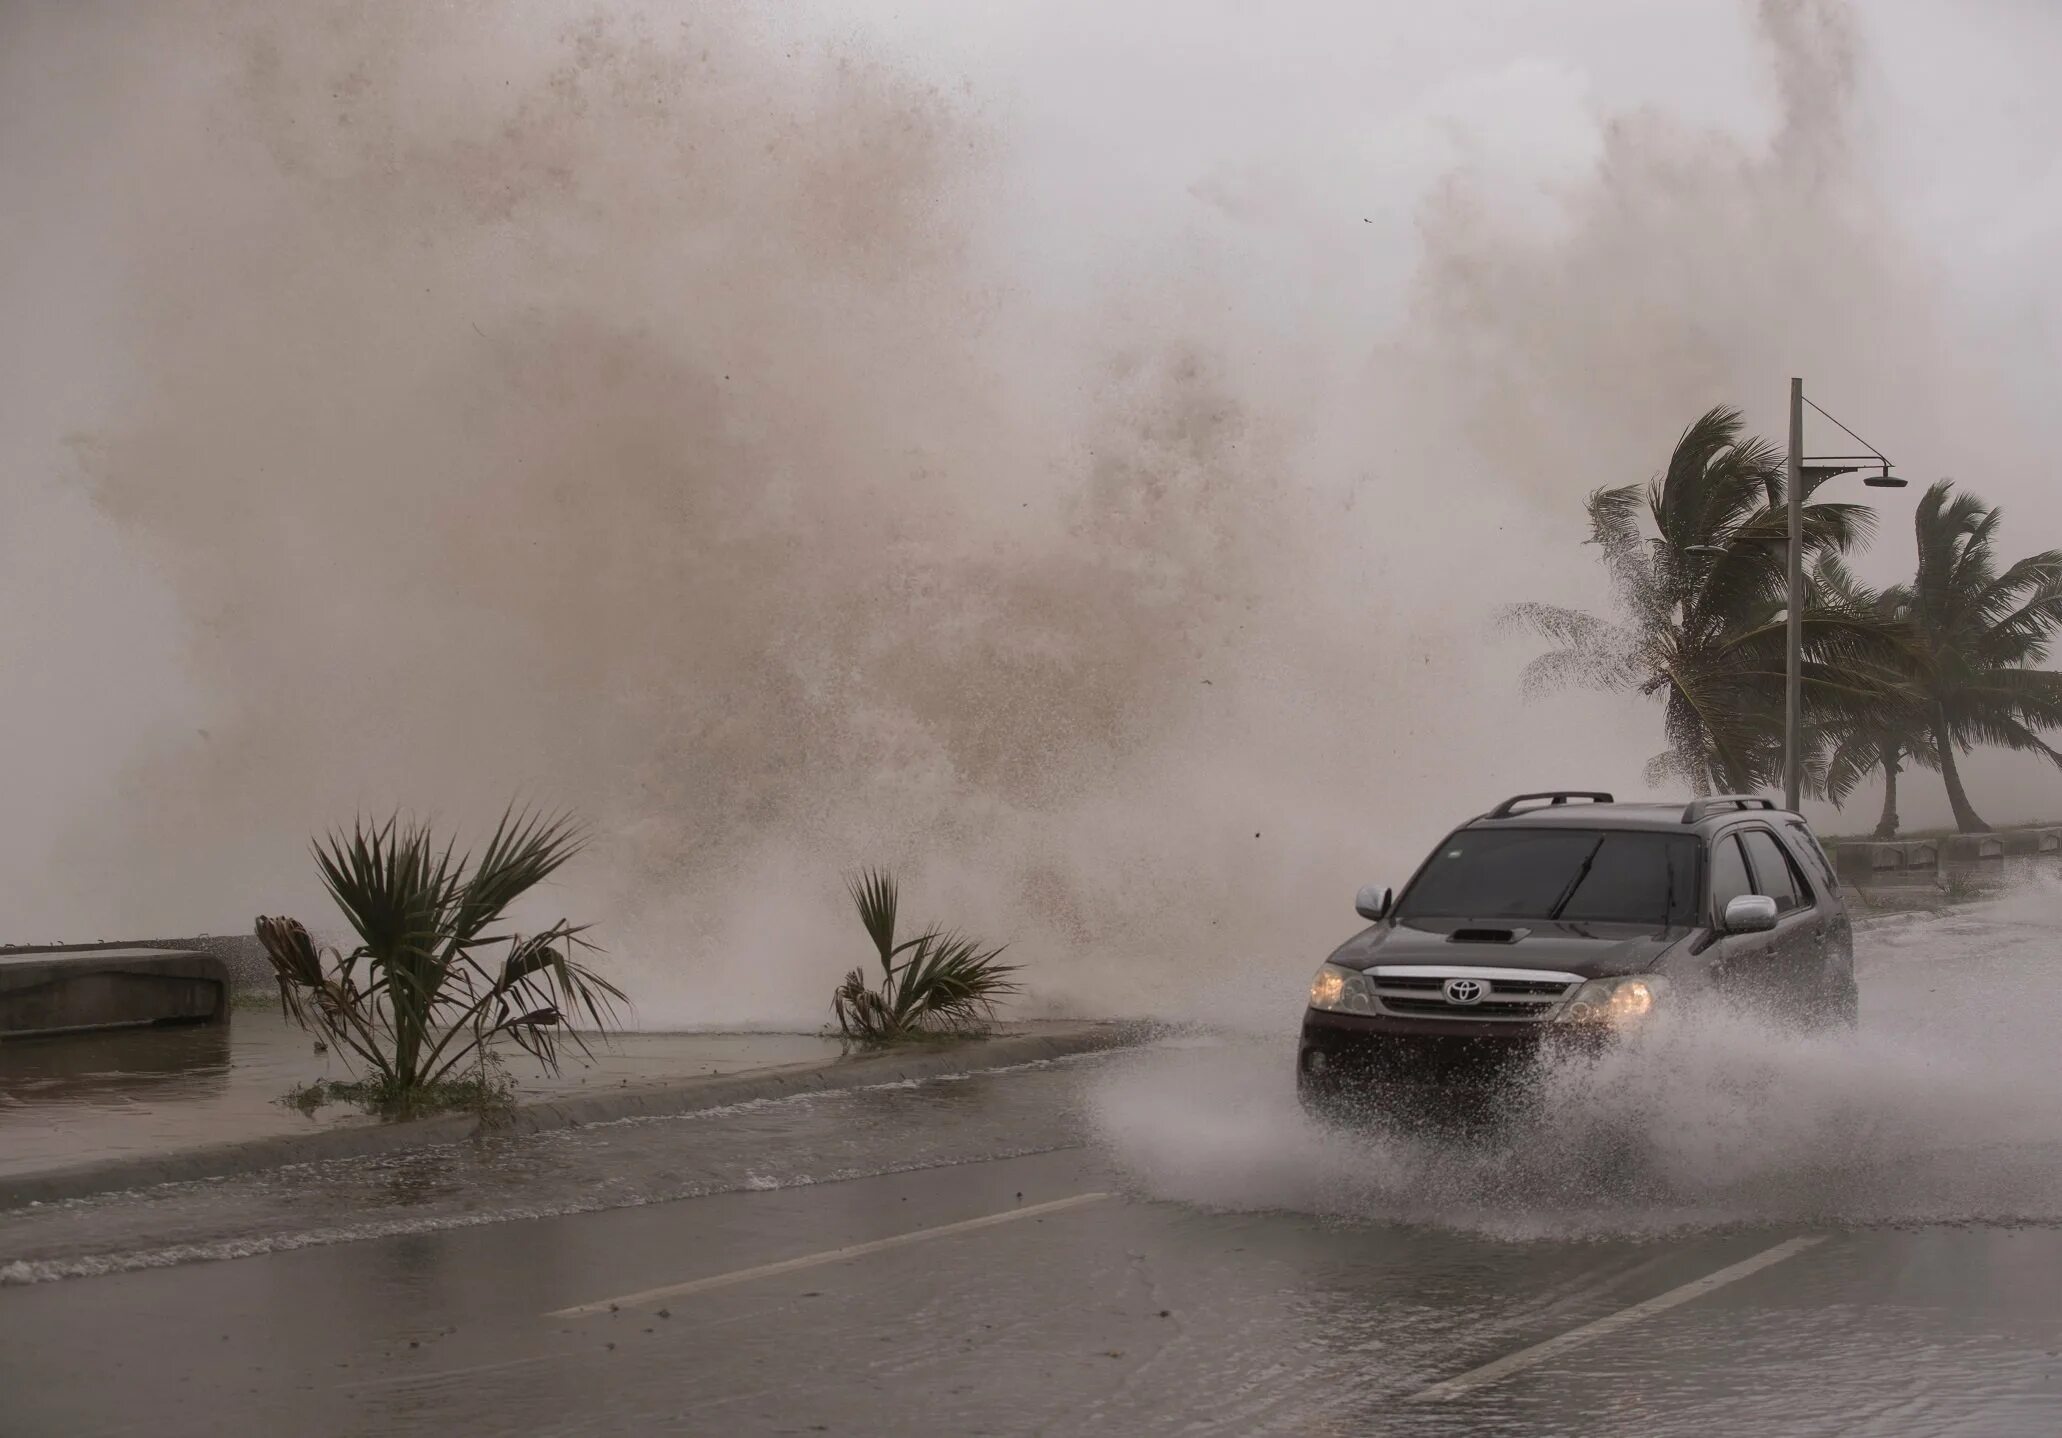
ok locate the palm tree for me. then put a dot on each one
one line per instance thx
(1890, 734)
(944, 983)
(1977, 636)
(1702, 610)
(434, 980)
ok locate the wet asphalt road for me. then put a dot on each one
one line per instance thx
(1115, 1316)
(1200, 1269)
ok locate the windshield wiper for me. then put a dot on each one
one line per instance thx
(1568, 894)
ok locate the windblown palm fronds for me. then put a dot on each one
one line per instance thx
(1891, 734)
(938, 982)
(428, 988)
(1702, 608)
(1977, 637)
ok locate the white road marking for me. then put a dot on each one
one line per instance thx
(435, 1374)
(815, 1260)
(1539, 1353)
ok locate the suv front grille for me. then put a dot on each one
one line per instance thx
(1507, 995)
(1440, 1008)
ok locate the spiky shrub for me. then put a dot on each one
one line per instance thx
(432, 985)
(939, 982)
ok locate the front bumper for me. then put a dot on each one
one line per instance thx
(1341, 1051)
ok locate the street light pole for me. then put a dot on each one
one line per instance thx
(1793, 655)
(1793, 648)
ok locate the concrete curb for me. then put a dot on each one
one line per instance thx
(223, 1160)
(1943, 905)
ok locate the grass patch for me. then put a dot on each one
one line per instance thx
(1908, 836)
(487, 1092)
(1963, 888)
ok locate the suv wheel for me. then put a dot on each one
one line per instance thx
(1320, 1096)
(1846, 1010)
(1838, 1011)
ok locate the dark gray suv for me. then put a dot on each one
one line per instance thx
(1569, 918)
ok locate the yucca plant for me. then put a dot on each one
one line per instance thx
(938, 982)
(431, 986)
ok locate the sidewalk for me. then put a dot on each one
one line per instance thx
(87, 1113)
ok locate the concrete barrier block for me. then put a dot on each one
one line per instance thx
(1863, 863)
(51, 993)
(1922, 856)
(241, 953)
(1851, 863)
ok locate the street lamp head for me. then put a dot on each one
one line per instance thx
(1825, 467)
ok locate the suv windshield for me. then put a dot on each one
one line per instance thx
(1576, 875)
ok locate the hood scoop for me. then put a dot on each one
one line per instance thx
(1486, 936)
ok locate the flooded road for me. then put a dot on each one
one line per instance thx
(1817, 1237)
(142, 1091)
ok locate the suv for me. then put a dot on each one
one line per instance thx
(1567, 917)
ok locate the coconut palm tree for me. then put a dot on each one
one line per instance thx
(1977, 637)
(1892, 733)
(1701, 602)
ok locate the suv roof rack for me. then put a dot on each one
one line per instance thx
(1705, 808)
(1552, 796)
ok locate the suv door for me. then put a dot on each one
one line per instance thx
(1745, 971)
(1798, 979)
(1806, 845)
(1836, 944)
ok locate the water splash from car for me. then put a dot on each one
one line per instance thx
(1942, 1107)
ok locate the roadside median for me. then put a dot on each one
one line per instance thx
(650, 1100)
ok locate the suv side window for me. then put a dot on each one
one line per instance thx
(1775, 873)
(1809, 842)
(1729, 878)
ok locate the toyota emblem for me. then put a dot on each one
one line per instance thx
(1464, 991)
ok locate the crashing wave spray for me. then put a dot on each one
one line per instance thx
(665, 418)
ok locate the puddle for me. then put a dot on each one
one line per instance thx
(83, 1097)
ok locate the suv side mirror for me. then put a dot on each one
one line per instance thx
(1372, 902)
(1750, 914)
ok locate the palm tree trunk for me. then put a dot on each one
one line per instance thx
(1886, 827)
(1966, 817)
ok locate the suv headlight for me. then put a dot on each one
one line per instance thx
(1615, 1003)
(1342, 990)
